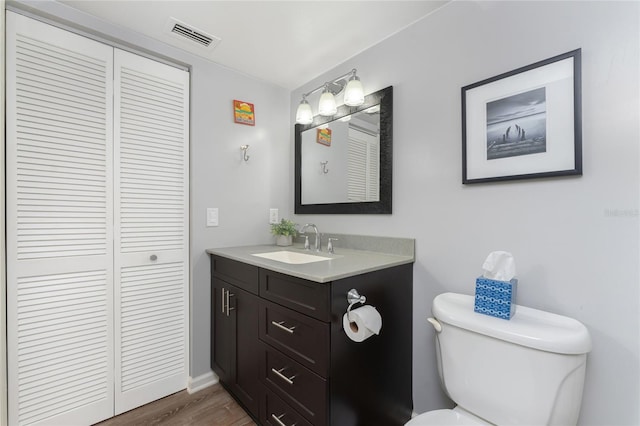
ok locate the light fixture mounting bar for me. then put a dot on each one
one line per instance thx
(335, 80)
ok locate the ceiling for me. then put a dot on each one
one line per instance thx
(287, 43)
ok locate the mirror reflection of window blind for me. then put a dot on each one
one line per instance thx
(373, 176)
(363, 167)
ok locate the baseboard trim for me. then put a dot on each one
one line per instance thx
(194, 384)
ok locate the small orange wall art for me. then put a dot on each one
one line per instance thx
(243, 113)
(324, 136)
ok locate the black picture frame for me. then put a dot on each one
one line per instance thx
(525, 123)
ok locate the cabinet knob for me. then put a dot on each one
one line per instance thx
(153, 257)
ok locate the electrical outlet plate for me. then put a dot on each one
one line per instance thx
(273, 216)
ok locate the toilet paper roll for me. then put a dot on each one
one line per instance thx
(362, 323)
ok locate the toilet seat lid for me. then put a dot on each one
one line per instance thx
(443, 418)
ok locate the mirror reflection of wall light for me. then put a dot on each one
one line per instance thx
(373, 110)
(353, 96)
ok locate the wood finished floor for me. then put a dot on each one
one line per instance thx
(210, 406)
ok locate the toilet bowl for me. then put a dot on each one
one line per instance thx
(455, 417)
(525, 371)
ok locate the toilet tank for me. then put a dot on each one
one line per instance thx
(525, 371)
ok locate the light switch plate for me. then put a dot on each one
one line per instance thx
(212, 216)
(273, 216)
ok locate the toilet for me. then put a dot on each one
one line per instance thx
(525, 371)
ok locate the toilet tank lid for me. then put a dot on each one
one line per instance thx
(528, 327)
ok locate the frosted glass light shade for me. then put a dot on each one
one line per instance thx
(327, 106)
(354, 93)
(304, 115)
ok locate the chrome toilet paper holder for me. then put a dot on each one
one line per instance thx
(354, 297)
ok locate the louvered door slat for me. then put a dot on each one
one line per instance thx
(152, 221)
(59, 225)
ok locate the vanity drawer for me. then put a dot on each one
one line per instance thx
(298, 386)
(304, 339)
(275, 412)
(237, 273)
(304, 296)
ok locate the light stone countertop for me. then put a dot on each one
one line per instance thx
(345, 262)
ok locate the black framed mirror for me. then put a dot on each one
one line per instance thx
(343, 163)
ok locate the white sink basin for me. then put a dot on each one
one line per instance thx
(292, 257)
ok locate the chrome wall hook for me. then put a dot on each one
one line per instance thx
(244, 149)
(324, 166)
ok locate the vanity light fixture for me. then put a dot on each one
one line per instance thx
(354, 93)
(304, 115)
(327, 105)
(353, 96)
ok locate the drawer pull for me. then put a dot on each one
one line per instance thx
(282, 327)
(277, 420)
(282, 376)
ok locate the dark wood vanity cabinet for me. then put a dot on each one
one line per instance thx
(235, 348)
(279, 347)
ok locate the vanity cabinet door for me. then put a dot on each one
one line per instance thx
(236, 351)
(221, 329)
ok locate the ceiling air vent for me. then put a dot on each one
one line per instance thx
(192, 34)
(186, 32)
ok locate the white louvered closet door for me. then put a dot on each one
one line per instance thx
(59, 226)
(152, 228)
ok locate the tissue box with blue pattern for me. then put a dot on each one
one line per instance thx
(496, 298)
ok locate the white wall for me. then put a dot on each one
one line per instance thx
(243, 191)
(575, 239)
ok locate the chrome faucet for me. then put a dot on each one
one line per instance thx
(330, 245)
(315, 228)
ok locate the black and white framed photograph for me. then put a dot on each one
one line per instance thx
(525, 123)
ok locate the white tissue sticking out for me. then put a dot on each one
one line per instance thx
(499, 266)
